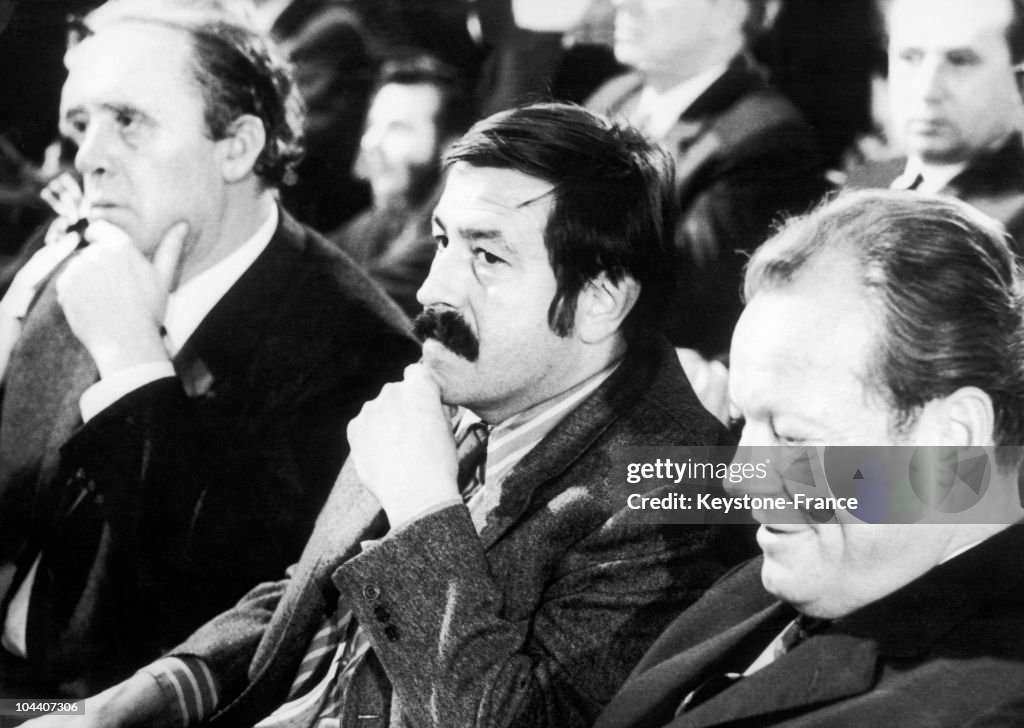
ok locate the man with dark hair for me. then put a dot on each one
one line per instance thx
(884, 318)
(744, 156)
(419, 107)
(528, 603)
(174, 409)
(333, 54)
(955, 102)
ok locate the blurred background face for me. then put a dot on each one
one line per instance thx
(952, 88)
(400, 149)
(800, 377)
(667, 37)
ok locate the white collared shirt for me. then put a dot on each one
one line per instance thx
(656, 113)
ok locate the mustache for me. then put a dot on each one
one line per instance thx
(450, 330)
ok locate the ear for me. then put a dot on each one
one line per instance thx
(969, 419)
(602, 306)
(241, 147)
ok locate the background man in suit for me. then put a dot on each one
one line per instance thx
(840, 344)
(955, 101)
(744, 156)
(529, 603)
(214, 415)
(420, 106)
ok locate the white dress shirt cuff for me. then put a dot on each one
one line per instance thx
(110, 389)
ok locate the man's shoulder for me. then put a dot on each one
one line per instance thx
(616, 91)
(655, 403)
(328, 281)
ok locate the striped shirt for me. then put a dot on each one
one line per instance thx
(188, 683)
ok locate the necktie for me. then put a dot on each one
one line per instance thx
(798, 631)
(339, 646)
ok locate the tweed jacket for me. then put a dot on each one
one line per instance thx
(744, 158)
(533, 622)
(170, 504)
(944, 650)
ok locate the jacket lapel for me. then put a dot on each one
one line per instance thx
(565, 444)
(825, 668)
(843, 660)
(653, 696)
(217, 344)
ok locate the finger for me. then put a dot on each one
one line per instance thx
(167, 257)
(106, 234)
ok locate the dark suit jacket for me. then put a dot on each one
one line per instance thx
(533, 622)
(944, 650)
(189, 490)
(993, 182)
(744, 159)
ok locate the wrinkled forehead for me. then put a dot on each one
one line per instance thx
(822, 323)
(128, 60)
(948, 23)
(500, 196)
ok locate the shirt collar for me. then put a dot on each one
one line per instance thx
(656, 112)
(933, 182)
(191, 302)
(511, 440)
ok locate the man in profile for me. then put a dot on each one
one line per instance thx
(494, 575)
(883, 318)
(187, 357)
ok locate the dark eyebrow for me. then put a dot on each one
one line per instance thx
(533, 200)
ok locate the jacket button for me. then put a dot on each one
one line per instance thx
(382, 614)
(371, 592)
(391, 632)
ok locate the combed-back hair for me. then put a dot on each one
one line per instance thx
(238, 72)
(945, 283)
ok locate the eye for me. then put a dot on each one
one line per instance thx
(910, 55)
(125, 119)
(441, 241)
(486, 256)
(962, 59)
(75, 127)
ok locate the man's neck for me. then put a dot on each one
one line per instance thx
(582, 372)
(242, 217)
(668, 77)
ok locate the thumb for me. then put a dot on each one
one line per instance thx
(167, 257)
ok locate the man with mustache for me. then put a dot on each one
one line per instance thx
(910, 620)
(513, 588)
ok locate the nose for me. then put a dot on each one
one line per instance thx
(930, 81)
(93, 156)
(446, 284)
